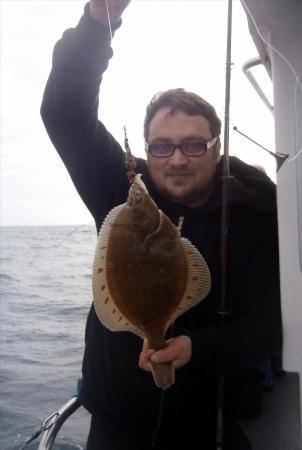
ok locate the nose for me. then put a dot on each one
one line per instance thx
(178, 158)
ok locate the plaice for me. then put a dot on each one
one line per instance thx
(144, 274)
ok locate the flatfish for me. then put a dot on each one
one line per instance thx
(145, 274)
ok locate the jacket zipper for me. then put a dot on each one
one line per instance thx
(180, 222)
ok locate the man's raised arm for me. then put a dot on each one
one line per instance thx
(70, 104)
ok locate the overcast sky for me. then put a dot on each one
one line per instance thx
(161, 45)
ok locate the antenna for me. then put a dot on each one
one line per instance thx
(280, 157)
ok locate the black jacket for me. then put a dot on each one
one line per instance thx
(115, 390)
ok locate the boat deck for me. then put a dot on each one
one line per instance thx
(279, 425)
(277, 428)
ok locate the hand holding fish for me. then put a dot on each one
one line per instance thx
(178, 352)
(98, 10)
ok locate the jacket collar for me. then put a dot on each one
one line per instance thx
(249, 188)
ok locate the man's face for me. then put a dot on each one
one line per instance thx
(182, 179)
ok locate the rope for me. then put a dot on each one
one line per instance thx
(109, 21)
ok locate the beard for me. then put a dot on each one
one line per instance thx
(181, 193)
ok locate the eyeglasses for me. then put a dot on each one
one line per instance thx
(165, 149)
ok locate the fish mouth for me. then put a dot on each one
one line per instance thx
(137, 191)
(135, 198)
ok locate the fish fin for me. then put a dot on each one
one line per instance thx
(198, 281)
(163, 374)
(105, 307)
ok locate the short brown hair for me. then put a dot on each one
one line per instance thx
(187, 102)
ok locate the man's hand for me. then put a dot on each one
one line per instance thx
(178, 351)
(98, 10)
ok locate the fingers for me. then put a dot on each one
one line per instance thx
(117, 7)
(98, 10)
(145, 358)
(178, 351)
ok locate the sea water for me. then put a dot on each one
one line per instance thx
(45, 298)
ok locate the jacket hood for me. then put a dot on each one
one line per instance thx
(250, 187)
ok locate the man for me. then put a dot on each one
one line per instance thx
(183, 176)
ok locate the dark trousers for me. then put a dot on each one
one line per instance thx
(99, 439)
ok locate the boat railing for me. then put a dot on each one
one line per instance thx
(246, 68)
(54, 422)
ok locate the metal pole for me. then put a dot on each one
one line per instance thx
(224, 310)
(280, 157)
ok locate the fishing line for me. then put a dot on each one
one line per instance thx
(297, 77)
(109, 21)
(74, 229)
(296, 95)
(272, 47)
(296, 156)
(147, 284)
(131, 165)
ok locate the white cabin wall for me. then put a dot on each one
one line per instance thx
(286, 36)
(279, 22)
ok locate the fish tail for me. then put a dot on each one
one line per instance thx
(163, 374)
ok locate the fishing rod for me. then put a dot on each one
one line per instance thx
(224, 310)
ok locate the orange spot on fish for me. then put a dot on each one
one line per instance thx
(189, 297)
(100, 270)
(103, 287)
(113, 311)
(103, 248)
(120, 318)
(106, 300)
(195, 278)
